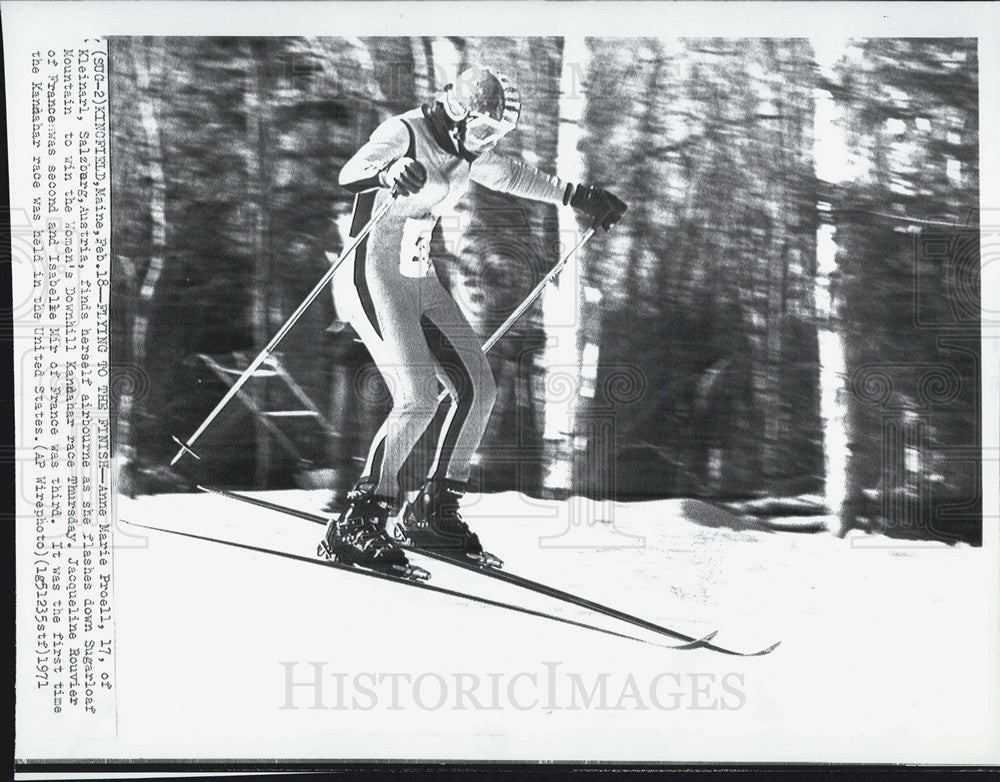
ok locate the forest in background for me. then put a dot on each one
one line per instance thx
(705, 320)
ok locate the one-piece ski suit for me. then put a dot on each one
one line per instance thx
(388, 290)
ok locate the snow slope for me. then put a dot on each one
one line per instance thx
(888, 647)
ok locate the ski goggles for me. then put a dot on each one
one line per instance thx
(483, 129)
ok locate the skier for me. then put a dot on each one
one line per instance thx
(414, 330)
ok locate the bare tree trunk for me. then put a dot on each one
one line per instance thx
(561, 301)
(256, 108)
(775, 306)
(423, 66)
(148, 57)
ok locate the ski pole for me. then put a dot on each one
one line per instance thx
(533, 296)
(273, 344)
(530, 298)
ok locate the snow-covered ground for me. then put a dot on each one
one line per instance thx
(888, 647)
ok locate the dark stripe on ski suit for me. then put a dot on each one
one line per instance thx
(375, 473)
(364, 204)
(451, 362)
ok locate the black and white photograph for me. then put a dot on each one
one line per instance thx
(595, 389)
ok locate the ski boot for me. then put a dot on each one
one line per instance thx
(432, 522)
(358, 537)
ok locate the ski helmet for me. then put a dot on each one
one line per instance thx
(487, 101)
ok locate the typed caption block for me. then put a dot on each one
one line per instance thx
(61, 269)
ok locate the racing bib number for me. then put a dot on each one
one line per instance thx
(415, 247)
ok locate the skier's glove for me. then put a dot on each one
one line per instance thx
(606, 208)
(406, 176)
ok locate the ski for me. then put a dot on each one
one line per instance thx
(521, 581)
(582, 602)
(415, 584)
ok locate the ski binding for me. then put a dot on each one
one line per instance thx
(484, 559)
(409, 572)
